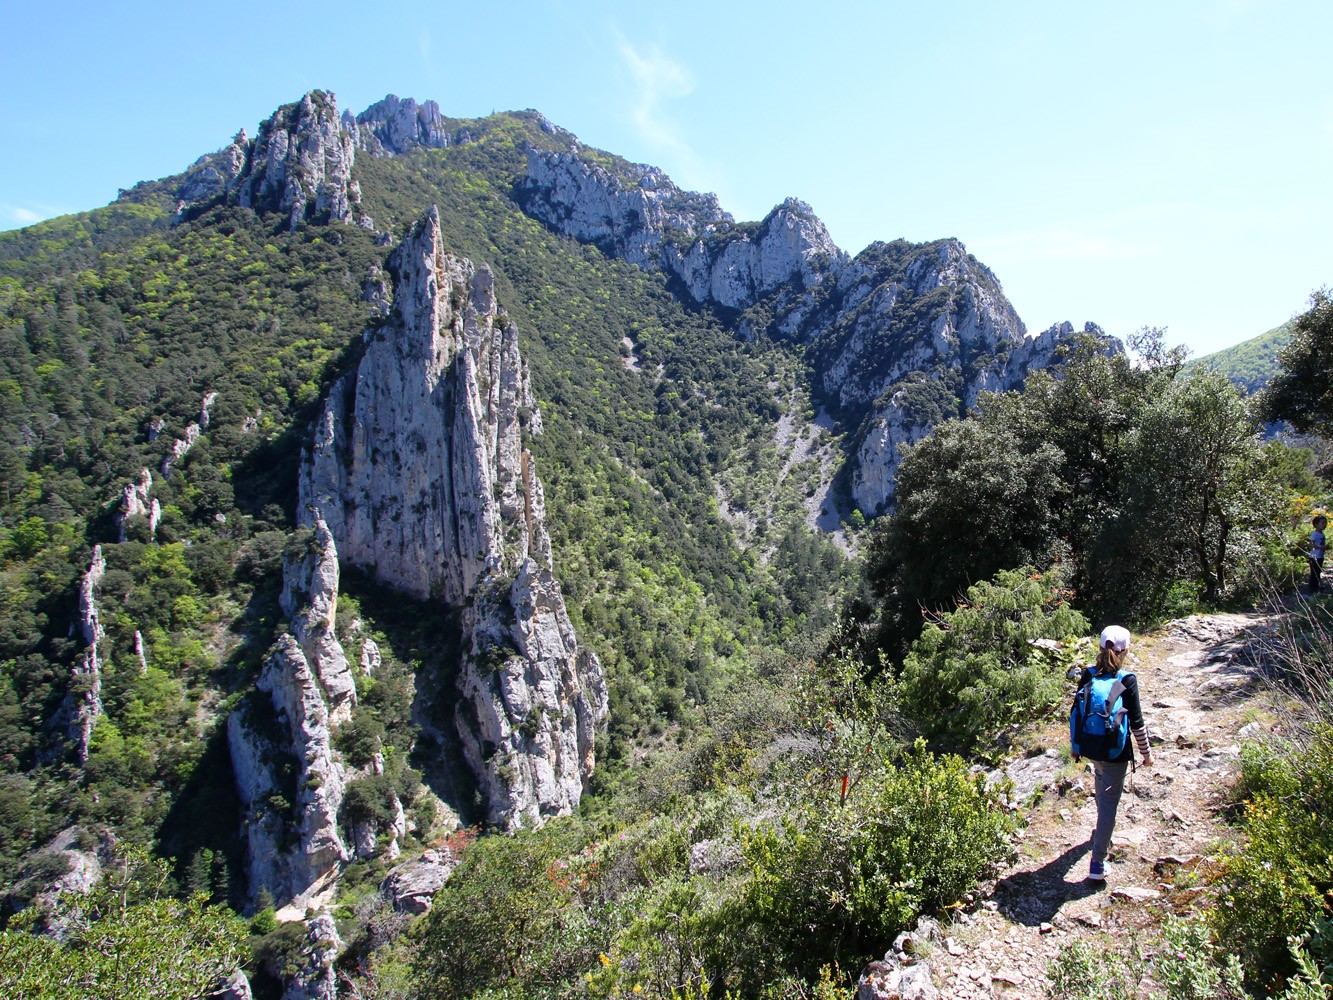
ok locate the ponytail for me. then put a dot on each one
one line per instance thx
(1110, 660)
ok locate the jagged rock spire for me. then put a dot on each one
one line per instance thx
(419, 470)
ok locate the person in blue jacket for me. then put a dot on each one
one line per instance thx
(1109, 776)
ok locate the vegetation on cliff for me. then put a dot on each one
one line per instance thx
(787, 777)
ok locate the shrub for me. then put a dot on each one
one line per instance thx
(836, 882)
(975, 670)
(126, 940)
(369, 799)
(1187, 965)
(1083, 971)
(511, 913)
(1273, 886)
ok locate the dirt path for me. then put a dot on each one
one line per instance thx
(1201, 700)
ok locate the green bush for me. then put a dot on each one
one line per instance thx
(1187, 964)
(1273, 885)
(511, 915)
(836, 882)
(1083, 971)
(129, 939)
(975, 670)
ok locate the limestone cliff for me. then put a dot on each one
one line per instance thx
(641, 216)
(181, 446)
(83, 699)
(136, 500)
(214, 175)
(299, 165)
(290, 781)
(393, 126)
(911, 334)
(310, 972)
(900, 337)
(419, 471)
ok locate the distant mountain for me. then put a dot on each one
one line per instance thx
(1252, 363)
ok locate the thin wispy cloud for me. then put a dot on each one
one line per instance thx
(657, 80)
(14, 216)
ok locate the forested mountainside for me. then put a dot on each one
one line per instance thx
(1253, 363)
(198, 343)
(386, 479)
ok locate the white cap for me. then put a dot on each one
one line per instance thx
(1115, 636)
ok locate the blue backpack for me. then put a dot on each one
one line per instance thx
(1099, 721)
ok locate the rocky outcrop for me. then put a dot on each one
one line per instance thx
(900, 337)
(289, 779)
(532, 699)
(300, 165)
(419, 471)
(628, 215)
(641, 216)
(411, 887)
(910, 335)
(904, 973)
(215, 175)
(83, 699)
(393, 126)
(314, 977)
(234, 987)
(310, 598)
(378, 292)
(789, 252)
(181, 446)
(136, 501)
(140, 654)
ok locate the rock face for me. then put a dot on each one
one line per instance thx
(411, 887)
(182, 445)
(215, 174)
(314, 977)
(299, 165)
(394, 126)
(909, 335)
(136, 501)
(418, 470)
(83, 699)
(904, 974)
(645, 219)
(290, 781)
(234, 987)
(900, 337)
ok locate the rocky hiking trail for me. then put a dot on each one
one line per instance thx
(1203, 696)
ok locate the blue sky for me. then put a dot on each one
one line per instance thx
(1135, 164)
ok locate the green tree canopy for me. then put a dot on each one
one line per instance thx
(128, 939)
(1302, 391)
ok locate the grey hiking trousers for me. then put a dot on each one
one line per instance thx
(1108, 782)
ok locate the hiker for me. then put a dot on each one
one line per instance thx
(1109, 697)
(1316, 553)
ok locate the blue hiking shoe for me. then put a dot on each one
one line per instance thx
(1096, 872)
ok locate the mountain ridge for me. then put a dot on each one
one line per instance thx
(713, 398)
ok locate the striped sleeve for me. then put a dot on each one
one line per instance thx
(1141, 739)
(1138, 726)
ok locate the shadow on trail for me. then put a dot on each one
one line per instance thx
(1033, 898)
